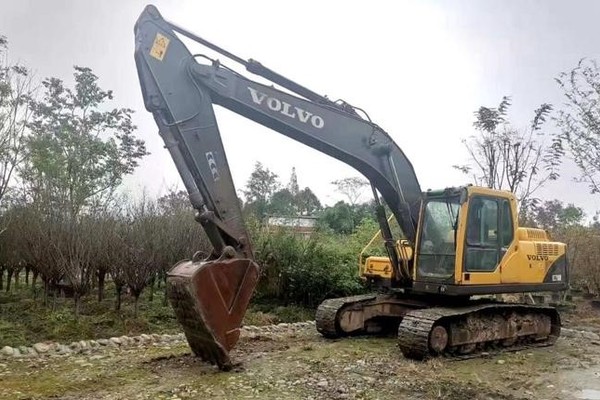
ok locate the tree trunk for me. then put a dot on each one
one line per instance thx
(118, 288)
(152, 281)
(1, 278)
(27, 271)
(9, 274)
(34, 282)
(166, 297)
(136, 304)
(16, 275)
(77, 299)
(164, 279)
(46, 290)
(101, 280)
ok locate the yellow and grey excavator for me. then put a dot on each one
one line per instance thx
(456, 243)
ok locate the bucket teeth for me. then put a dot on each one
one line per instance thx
(210, 300)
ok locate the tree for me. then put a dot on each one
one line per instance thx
(553, 215)
(293, 184)
(78, 153)
(16, 91)
(503, 157)
(282, 203)
(261, 185)
(308, 203)
(338, 218)
(580, 120)
(352, 188)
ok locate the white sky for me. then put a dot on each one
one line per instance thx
(419, 68)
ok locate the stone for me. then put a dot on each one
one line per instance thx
(590, 335)
(16, 353)
(96, 357)
(7, 351)
(103, 342)
(145, 337)
(116, 340)
(41, 347)
(500, 362)
(62, 349)
(323, 383)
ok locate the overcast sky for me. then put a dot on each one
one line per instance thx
(419, 68)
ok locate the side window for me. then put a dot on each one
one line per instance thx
(482, 224)
(506, 224)
(482, 244)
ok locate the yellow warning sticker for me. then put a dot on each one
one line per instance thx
(159, 48)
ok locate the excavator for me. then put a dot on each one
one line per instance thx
(458, 246)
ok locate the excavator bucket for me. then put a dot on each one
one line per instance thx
(210, 299)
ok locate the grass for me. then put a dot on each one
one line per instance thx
(24, 319)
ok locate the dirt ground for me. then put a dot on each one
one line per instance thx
(297, 363)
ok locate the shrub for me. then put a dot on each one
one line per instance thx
(304, 271)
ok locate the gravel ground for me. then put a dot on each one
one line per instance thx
(292, 361)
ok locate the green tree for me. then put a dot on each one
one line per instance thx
(78, 152)
(16, 91)
(553, 215)
(261, 185)
(282, 203)
(580, 120)
(308, 203)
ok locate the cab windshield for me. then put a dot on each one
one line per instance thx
(437, 247)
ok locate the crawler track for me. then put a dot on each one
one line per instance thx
(472, 331)
(327, 314)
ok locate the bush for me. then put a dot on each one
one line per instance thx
(305, 271)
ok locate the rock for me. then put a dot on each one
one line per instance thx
(103, 342)
(96, 357)
(146, 337)
(41, 347)
(7, 351)
(62, 349)
(125, 340)
(16, 353)
(94, 344)
(566, 332)
(500, 362)
(116, 340)
(74, 346)
(590, 335)
(323, 383)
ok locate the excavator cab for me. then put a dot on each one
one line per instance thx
(469, 243)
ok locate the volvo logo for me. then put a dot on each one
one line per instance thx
(280, 106)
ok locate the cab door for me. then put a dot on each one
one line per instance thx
(489, 233)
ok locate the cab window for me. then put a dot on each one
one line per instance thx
(483, 243)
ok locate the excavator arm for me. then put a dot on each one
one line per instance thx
(180, 92)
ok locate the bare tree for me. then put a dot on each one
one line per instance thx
(580, 120)
(352, 187)
(503, 157)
